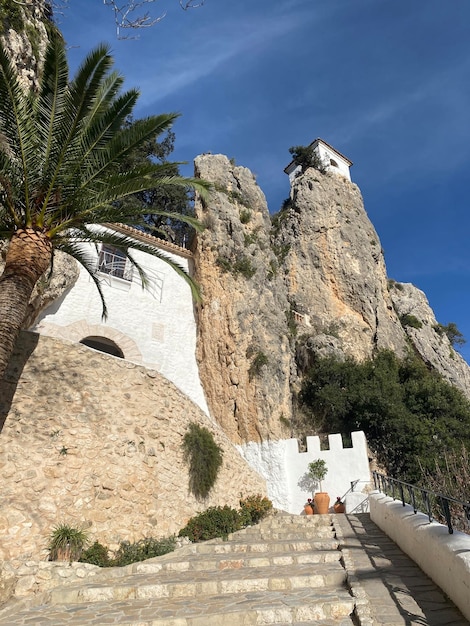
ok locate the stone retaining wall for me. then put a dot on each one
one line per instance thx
(95, 441)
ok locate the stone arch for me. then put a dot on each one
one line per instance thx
(103, 344)
(80, 330)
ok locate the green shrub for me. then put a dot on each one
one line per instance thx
(244, 267)
(410, 320)
(204, 457)
(254, 508)
(241, 265)
(11, 16)
(245, 216)
(259, 360)
(214, 522)
(392, 284)
(281, 251)
(143, 549)
(249, 238)
(307, 156)
(97, 554)
(224, 264)
(406, 411)
(67, 543)
(452, 333)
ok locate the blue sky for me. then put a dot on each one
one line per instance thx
(385, 82)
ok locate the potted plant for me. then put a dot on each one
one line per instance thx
(317, 471)
(308, 507)
(339, 506)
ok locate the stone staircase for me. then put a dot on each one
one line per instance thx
(285, 570)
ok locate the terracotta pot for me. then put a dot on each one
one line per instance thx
(322, 502)
(308, 509)
(339, 508)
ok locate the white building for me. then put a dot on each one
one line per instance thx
(333, 160)
(153, 327)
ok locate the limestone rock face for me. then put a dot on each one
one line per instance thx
(335, 269)
(243, 346)
(23, 35)
(279, 294)
(434, 348)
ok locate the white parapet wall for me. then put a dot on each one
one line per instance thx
(284, 467)
(443, 557)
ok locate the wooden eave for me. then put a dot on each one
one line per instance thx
(161, 244)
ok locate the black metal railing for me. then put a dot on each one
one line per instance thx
(437, 506)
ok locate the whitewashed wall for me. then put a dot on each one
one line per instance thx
(283, 467)
(443, 557)
(326, 155)
(155, 328)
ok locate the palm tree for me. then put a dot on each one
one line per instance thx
(60, 154)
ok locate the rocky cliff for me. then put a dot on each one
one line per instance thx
(243, 345)
(427, 337)
(280, 292)
(23, 34)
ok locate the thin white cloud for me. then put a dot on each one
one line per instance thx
(443, 87)
(204, 54)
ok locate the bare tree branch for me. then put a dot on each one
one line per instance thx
(124, 19)
(125, 16)
(190, 4)
(122, 13)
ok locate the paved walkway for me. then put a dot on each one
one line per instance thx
(327, 570)
(391, 588)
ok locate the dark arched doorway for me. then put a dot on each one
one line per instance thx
(103, 344)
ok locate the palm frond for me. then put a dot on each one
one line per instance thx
(81, 97)
(16, 127)
(51, 101)
(81, 254)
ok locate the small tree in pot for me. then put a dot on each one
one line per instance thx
(317, 470)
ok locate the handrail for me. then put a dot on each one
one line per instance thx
(419, 495)
(351, 488)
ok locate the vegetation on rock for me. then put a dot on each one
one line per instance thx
(258, 362)
(307, 156)
(452, 333)
(410, 320)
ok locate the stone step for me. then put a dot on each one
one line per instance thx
(297, 521)
(202, 562)
(279, 545)
(298, 606)
(170, 584)
(273, 534)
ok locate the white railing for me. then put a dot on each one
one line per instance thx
(114, 265)
(119, 267)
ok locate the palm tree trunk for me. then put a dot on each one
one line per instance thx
(28, 257)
